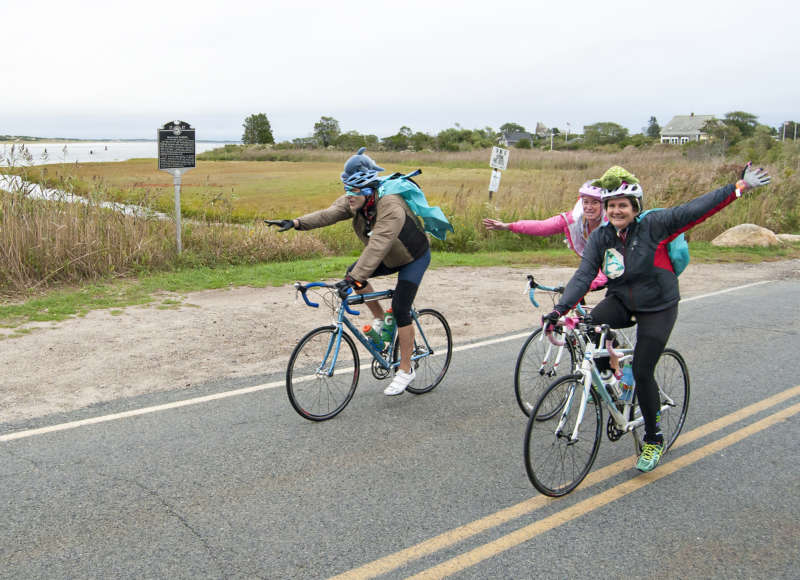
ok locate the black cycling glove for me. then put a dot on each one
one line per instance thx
(343, 286)
(551, 319)
(283, 225)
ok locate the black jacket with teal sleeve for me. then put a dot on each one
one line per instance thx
(643, 278)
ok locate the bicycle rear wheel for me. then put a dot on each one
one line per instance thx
(433, 343)
(316, 393)
(539, 363)
(672, 378)
(555, 464)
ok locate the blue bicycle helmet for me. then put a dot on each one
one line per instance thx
(360, 170)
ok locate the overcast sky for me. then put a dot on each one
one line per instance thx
(106, 69)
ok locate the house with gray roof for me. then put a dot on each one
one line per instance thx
(684, 128)
(512, 138)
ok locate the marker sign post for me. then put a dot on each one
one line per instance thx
(498, 162)
(176, 155)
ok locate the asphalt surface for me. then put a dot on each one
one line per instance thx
(242, 487)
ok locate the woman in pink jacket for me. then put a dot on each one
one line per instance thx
(585, 217)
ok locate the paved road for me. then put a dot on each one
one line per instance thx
(433, 485)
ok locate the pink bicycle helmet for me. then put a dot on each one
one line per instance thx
(589, 190)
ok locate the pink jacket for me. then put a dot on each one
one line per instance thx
(567, 223)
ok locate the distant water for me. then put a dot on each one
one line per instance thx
(86, 152)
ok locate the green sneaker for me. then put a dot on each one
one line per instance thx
(651, 455)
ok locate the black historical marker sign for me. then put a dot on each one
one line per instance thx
(176, 146)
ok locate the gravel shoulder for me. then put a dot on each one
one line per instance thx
(243, 332)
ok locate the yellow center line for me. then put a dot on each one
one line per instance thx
(461, 533)
(588, 505)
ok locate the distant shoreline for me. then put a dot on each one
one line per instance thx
(23, 140)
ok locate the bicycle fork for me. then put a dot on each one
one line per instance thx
(333, 345)
(559, 351)
(586, 385)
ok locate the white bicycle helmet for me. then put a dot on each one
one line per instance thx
(632, 191)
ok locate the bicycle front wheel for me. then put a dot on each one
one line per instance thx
(558, 451)
(672, 378)
(433, 344)
(322, 374)
(539, 363)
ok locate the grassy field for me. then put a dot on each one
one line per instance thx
(47, 244)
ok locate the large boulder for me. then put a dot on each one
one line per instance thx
(789, 238)
(746, 235)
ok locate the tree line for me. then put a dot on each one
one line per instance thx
(327, 133)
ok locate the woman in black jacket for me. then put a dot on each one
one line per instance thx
(632, 253)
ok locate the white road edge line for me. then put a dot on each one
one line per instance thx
(272, 385)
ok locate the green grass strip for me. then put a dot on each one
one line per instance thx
(61, 304)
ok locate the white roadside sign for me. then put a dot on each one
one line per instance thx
(499, 158)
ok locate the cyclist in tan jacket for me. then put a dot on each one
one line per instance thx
(394, 241)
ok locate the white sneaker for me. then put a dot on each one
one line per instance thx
(401, 380)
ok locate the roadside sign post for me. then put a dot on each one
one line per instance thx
(498, 162)
(176, 155)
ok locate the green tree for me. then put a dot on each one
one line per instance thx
(724, 132)
(745, 122)
(326, 131)
(604, 134)
(257, 130)
(653, 128)
(400, 141)
(512, 128)
(788, 130)
(420, 141)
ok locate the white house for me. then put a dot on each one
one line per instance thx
(684, 128)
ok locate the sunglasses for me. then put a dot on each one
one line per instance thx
(357, 191)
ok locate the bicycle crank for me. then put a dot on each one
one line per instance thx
(614, 433)
(378, 371)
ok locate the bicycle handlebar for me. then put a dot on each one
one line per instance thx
(303, 288)
(533, 285)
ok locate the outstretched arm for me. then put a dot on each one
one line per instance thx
(338, 211)
(551, 226)
(678, 219)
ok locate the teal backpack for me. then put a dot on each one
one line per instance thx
(433, 218)
(678, 249)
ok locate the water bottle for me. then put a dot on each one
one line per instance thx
(387, 332)
(627, 383)
(374, 336)
(611, 384)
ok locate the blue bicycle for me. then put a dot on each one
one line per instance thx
(324, 367)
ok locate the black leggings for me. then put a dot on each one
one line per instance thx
(652, 334)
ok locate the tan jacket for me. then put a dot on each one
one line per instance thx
(397, 237)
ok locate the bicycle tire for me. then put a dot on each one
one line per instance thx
(672, 377)
(430, 370)
(533, 373)
(554, 464)
(316, 396)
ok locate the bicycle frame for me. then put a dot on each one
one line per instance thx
(343, 321)
(591, 379)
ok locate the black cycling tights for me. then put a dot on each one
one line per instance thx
(652, 334)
